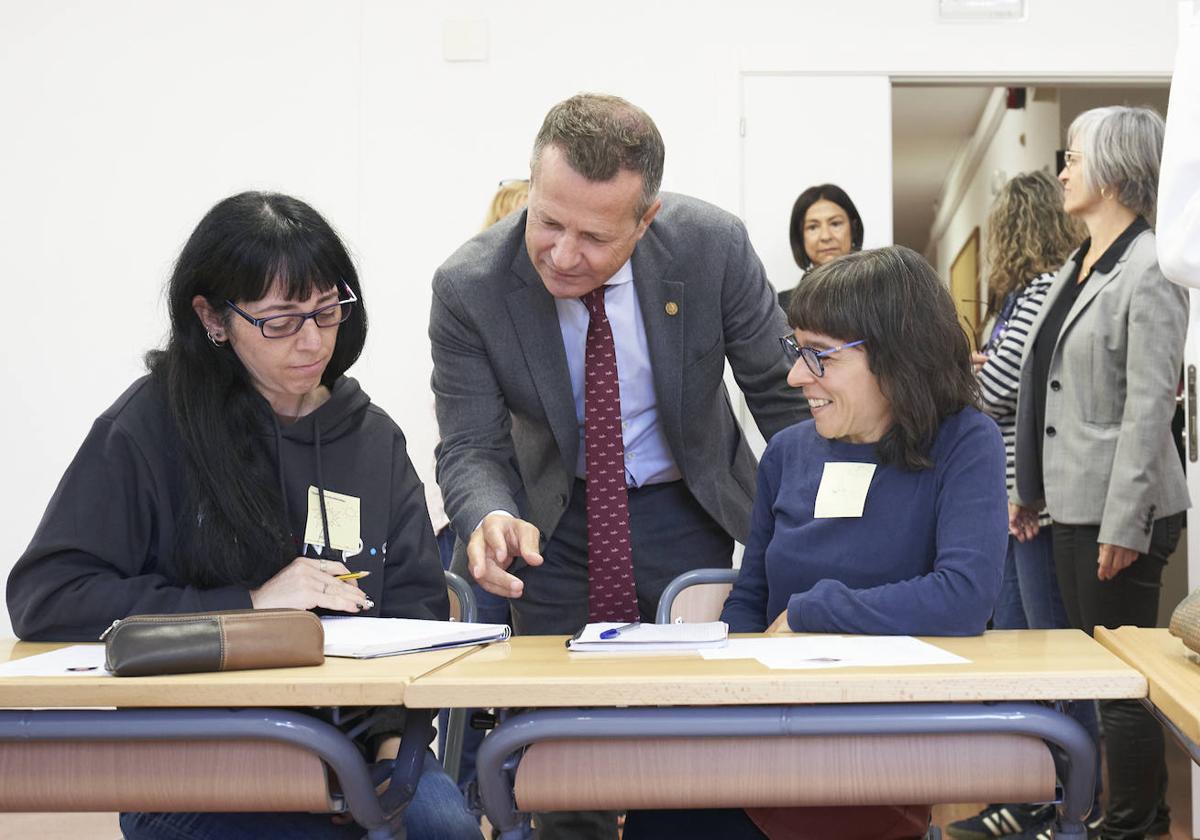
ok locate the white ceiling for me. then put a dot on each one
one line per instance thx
(929, 127)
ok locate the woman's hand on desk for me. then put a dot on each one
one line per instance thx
(306, 583)
(494, 545)
(780, 625)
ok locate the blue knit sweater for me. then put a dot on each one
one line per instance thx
(925, 558)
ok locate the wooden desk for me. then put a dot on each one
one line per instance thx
(538, 671)
(685, 696)
(338, 682)
(1172, 672)
(233, 706)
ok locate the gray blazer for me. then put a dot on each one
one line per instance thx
(1112, 460)
(503, 392)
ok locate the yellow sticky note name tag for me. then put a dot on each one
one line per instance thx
(843, 490)
(343, 513)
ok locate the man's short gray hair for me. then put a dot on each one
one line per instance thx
(600, 135)
(1121, 151)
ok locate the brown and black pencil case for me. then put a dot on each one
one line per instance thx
(232, 640)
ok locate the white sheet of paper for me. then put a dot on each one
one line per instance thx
(803, 652)
(843, 490)
(72, 661)
(798, 652)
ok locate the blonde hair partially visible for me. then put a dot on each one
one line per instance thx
(512, 196)
(1029, 234)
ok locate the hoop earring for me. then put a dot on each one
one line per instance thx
(214, 340)
(1105, 193)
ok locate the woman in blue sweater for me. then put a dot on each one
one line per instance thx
(885, 513)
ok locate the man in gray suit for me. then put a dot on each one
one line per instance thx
(682, 291)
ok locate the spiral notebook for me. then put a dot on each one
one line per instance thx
(647, 638)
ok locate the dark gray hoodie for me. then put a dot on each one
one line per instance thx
(106, 546)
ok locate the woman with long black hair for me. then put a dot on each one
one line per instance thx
(245, 471)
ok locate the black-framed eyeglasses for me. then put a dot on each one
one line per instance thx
(281, 326)
(811, 355)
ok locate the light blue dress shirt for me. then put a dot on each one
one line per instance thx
(648, 459)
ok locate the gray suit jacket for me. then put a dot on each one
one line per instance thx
(503, 393)
(1112, 460)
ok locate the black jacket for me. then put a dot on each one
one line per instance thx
(106, 546)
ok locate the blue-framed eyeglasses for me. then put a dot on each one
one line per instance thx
(281, 326)
(811, 355)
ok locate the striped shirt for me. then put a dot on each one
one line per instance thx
(1001, 375)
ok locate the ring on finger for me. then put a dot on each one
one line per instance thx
(323, 564)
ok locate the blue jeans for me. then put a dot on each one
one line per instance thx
(437, 812)
(1029, 596)
(1031, 600)
(445, 541)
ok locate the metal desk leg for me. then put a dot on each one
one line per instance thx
(1074, 759)
(290, 727)
(1190, 746)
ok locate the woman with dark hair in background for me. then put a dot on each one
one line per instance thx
(825, 225)
(1094, 443)
(1029, 236)
(883, 514)
(208, 485)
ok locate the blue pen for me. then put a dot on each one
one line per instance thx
(617, 631)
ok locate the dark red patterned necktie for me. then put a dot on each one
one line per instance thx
(611, 592)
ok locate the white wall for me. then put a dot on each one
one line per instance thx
(123, 121)
(782, 155)
(1025, 139)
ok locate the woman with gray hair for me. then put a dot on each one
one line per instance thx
(1094, 441)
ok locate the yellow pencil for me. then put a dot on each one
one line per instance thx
(352, 575)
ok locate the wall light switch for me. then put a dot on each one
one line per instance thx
(465, 40)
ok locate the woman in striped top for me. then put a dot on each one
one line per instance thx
(1029, 237)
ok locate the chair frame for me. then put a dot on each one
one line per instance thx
(696, 577)
(380, 815)
(456, 721)
(499, 754)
